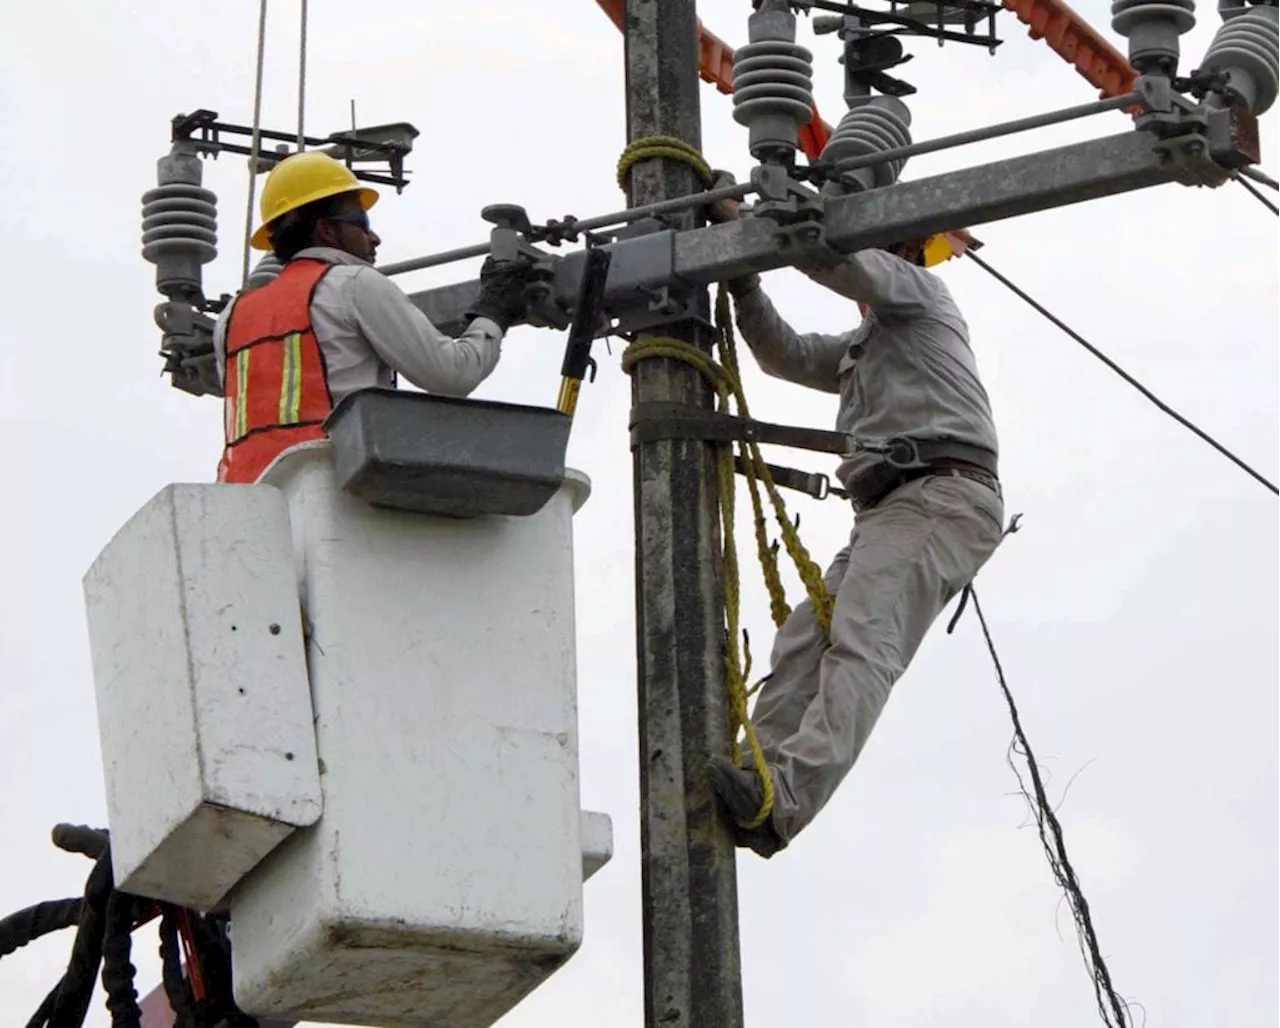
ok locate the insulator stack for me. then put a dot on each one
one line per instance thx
(772, 83)
(882, 123)
(1152, 28)
(179, 226)
(1247, 50)
(264, 271)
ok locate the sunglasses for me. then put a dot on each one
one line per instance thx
(360, 219)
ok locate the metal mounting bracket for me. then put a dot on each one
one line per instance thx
(1233, 135)
(643, 290)
(782, 198)
(187, 348)
(1189, 158)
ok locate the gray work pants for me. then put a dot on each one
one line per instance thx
(907, 558)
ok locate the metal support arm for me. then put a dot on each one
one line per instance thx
(970, 196)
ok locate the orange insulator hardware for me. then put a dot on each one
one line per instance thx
(1076, 42)
(715, 65)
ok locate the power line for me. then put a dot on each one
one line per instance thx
(1113, 1010)
(256, 141)
(1248, 172)
(302, 76)
(1258, 194)
(1126, 376)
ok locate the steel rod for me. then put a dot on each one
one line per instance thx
(671, 206)
(740, 191)
(980, 135)
(1259, 176)
(963, 198)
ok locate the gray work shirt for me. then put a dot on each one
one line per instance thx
(906, 370)
(369, 330)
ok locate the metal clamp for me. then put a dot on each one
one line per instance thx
(783, 198)
(1189, 155)
(187, 348)
(508, 241)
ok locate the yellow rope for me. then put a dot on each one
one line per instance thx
(651, 147)
(724, 378)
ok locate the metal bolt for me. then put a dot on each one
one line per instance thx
(274, 629)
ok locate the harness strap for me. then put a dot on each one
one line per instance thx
(654, 421)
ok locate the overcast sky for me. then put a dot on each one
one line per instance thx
(1135, 613)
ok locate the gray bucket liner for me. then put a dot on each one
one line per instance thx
(447, 456)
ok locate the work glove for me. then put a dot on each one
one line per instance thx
(723, 210)
(740, 287)
(502, 285)
(727, 210)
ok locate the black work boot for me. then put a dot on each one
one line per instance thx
(740, 794)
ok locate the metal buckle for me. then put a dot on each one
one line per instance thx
(898, 451)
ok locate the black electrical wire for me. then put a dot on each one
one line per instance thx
(1248, 171)
(1191, 426)
(1113, 1010)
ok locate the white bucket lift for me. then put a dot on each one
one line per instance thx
(443, 879)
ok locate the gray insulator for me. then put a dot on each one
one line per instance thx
(1153, 28)
(179, 225)
(1247, 50)
(772, 83)
(882, 123)
(264, 271)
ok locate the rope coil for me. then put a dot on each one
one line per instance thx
(654, 147)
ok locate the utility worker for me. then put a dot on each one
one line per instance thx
(331, 324)
(920, 535)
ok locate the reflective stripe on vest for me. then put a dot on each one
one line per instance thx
(276, 388)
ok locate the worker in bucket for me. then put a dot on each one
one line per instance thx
(920, 534)
(331, 324)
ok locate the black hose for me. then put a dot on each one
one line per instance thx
(41, 1017)
(76, 989)
(117, 969)
(29, 924)
(91, 842)
(176, 987)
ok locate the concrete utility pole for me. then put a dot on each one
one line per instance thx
(693, 976)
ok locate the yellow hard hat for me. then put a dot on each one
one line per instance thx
(302, 179)
(945, 245)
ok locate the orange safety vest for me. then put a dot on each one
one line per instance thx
(276, 386)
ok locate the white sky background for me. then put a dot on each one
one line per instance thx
(1135, 613)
